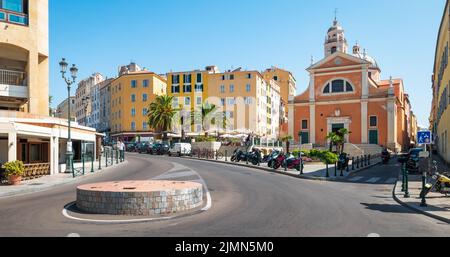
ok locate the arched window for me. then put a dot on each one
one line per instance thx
(338, 86)
(333, 50)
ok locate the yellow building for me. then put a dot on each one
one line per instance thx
(131, 95)
(24, 56)
(440, 114)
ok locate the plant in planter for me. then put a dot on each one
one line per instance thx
(14, 171)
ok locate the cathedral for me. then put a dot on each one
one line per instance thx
(346, 91)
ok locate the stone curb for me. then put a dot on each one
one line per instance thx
(281, 173)
(416, 209)
(73, 180)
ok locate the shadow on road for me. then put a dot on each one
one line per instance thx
(391, 208)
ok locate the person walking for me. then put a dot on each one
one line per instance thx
(121, 147)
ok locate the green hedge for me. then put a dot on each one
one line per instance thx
(324, 156)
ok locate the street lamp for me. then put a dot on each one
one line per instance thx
(73, 73)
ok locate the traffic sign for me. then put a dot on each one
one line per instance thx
(424, 137)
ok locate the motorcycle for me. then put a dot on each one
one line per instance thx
(254, 157)
(386, 157)
(270, 159)
(292, 162)
(238, 155)
(441, 184)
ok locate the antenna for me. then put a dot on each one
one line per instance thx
(335, 14)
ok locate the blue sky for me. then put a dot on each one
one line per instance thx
(178, 35)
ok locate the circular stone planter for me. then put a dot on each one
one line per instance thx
(139, 198)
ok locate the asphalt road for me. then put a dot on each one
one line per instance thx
(245, 202)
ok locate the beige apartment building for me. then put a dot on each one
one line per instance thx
(62, 111)
(83, 109)
(27, 133)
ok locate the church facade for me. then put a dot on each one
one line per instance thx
(346, 91)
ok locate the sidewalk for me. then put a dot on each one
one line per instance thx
(438, 204)
(48, 182)
(311, 171)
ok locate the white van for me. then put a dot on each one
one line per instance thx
(180, 149)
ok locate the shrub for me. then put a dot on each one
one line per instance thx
(14, 168)
(328, 157)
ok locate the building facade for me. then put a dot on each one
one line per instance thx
(131, 95)
(105, 106)
(27, 133)
(62, 111)
(83, 109)
(346, 91)
(440, 112)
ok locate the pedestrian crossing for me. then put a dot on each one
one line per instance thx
(372, 180)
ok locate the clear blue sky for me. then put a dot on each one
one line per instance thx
(178, 35)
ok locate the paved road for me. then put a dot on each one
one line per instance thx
(246, 202)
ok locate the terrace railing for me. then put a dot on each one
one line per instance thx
(12, 78)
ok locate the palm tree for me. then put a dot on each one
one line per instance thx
(207, 110)
(338, 139)
(287, 139)
(161, 114)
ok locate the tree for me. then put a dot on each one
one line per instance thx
(338, 139)
(287, 139)
(161, 114)
(206, 111)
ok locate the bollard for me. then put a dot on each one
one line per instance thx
(423, 202)
(92, 163)
(82, 158)
(117, 156)
(335, 169)
(342, 171)
(226, 153)
(353, 163)
(106, 155)
(199, 153)
(365, 160)
(217, 155)
(407, 182)
(357, 162)
(328, 173)
(100, 162)
(369, 160)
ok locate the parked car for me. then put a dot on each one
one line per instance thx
(160, 149)
(142, 147)
(180, 149)
(413, 162)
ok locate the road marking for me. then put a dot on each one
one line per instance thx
(373, 235)
(373, 180)
(175, 175)
(355, 179)
(73, 235)
(391, 181)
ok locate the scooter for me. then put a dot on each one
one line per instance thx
(441, 184)
(238, 155)
(271, 159)
(385, 157)
(292, 162)
(255, 157)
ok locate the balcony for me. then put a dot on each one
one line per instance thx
(13, 84)
(13, 17)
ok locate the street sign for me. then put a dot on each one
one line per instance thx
(424, 137)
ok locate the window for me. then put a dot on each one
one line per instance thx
(13, 5)
(223, 77)
(144, 125)
(373, 121)
(222, 89)
(275, 78)
(145, 83)
(231, 88)
(222, 101)
(199, 101)
(231, 101)
(176, 79)
(304, 124)
(333, 49)
(199, 78)
(249, 75)
(133, 112)
(199, 88)
(144, 111)
(187, 101)
(175, 89)
(248, 88)
(248, 100)
(133, 84)
(187, 78)
(187, 88)
(133, 98)
(338, 86)
(133, 125)
(175, 102)
(232, 77)
(144, 97)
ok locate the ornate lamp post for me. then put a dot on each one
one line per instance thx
(73, 73)
(85, 103)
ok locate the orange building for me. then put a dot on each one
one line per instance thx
(346, 91)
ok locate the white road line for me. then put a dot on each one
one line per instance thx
(355, 179)
(73, 235)
(373, 235)
(176, 175)
(373, 180)
(391, 181)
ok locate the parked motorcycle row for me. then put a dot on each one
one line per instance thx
(274, 160)
(440, 183)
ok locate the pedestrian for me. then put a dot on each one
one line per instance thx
(121, 147)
